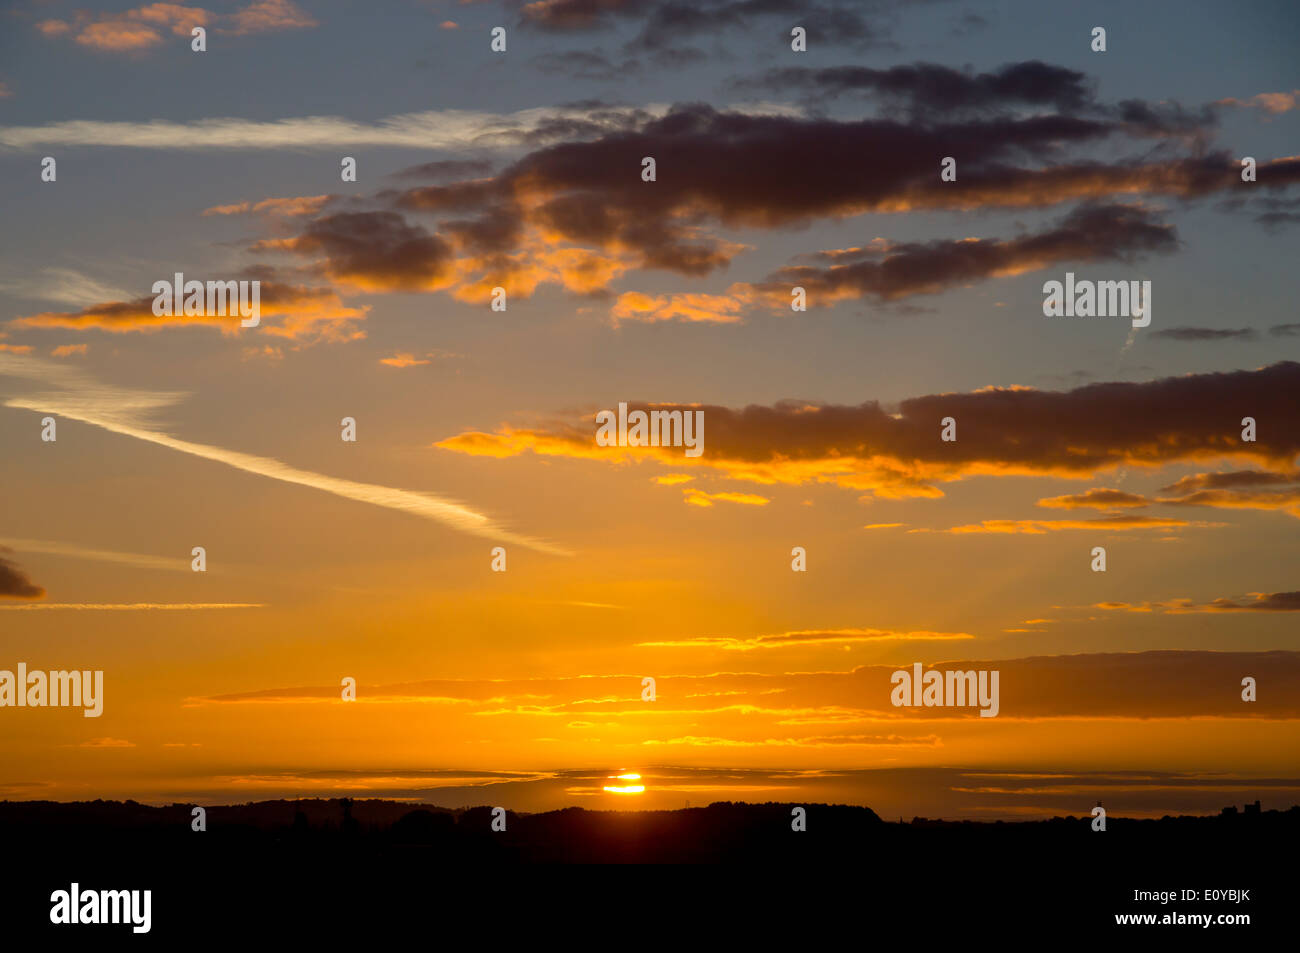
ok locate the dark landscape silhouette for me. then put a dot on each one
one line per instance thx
(1040, 870)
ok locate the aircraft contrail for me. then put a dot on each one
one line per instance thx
(122, 411)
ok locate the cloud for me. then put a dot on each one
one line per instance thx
(1238, 489)
(1038, 527)
(930, 88)
(696, 497)
(14, 583)
(303, 313)
(135, 606)
(1097, 498)
(130, 413)
(447, 129)
(146, 26)
(1205, 334)
(403, 359)
(638, 307)
(1274, 103)
(1162, 684)
(374, 251)
(67, 350)
(1262, 602)
(815, 741)
(106, 743)
(1089, 233)
(586, 192)
(265, 16)
(444, 169)
(813, 637)
(65, 286)
(296, 205)
(1229, 480)
(1003, 431)
(663, 25)
(1285, 330)
(1287, 499)
(75, 551)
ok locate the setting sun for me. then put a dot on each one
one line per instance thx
(625, 788)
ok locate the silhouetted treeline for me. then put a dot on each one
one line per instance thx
(315, 858)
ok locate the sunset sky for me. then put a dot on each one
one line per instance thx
(475, 428)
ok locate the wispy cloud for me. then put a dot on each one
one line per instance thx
(65, 286)
(449, 129)
(814, 637)
(132, 606)
(129, 412)
(55, 548)
(143, 27)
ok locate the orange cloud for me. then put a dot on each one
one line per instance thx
(1003, 431)
(696, 497)
(145, 26)
(1261, 602)
(1162, 684)
(402, 359)
(1037, 527)
(812, 637)
(1097, 498)
(1275, 103)
(130, 30)
(296, 205)
(303, 313)
(721, 309)
(67, 350)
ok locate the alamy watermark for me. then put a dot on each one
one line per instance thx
(655, 428)
(103, 906)
(1098, 299)
(949, 689)
(58, 689)
(211, 299)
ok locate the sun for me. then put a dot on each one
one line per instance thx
(625, 788)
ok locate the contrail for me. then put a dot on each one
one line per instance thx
(124, 411)
(54, 548)
(86, 606)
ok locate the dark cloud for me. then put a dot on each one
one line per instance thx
(1259, 602)
(1002, 431)
(1168, 684)
(1089, 233)
(929, 87)
(585, 197)
(1205, 334)
(578, 15)
(1100, 498)
(1285, 330)
(861, 24)
(1263, 602)
(1228, 480)
(377, 250)
(14, 583)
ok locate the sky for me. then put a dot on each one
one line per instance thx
(522, 170)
